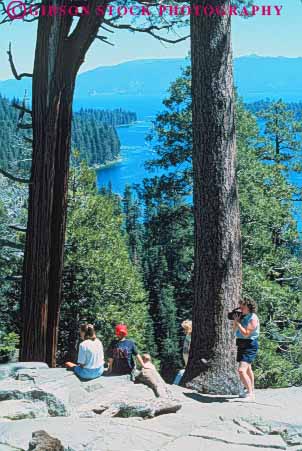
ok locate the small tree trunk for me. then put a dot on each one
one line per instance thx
(217, 279)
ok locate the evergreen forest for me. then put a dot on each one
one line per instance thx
(131, 258)
(93, 134)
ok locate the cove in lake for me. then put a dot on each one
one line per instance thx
(135, 151)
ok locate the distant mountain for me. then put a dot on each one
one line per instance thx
(255, 77)
(141, 78)
(258, 77)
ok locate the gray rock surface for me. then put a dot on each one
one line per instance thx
(9, 369)
(8, 448)
(21, 409)
(204, 422)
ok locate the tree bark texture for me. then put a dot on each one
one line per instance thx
(217, 277)
(58, 56)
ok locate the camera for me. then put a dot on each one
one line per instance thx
(235, 312)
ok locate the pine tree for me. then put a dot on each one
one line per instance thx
(133, 228)
(100, 284)
(280, 143)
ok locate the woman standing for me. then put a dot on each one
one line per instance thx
(91, 355)
(247, 329)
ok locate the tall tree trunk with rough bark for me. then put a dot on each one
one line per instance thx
(59, 54)
(217, 280)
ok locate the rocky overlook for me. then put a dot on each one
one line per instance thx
(44, 409)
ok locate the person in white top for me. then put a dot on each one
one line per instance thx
(91, 355)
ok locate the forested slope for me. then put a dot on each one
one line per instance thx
(93, 133)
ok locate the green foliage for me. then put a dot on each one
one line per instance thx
(93, 134)
(270, 241)
(101, 285)
(8, 345)
(139, 271)
(280, 142)
(133, 227)
(273, 370)
(115, 117)
(96, 141)
(167, 236)
(13, 205)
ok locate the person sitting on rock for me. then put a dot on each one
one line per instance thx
(91, 355)
(151, 377)
(121, 353)
(148, 362)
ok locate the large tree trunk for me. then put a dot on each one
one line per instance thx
(217, 281)
(58, 220)
(53, 83)
(58, 57)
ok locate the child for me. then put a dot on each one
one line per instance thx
(148, 362)
(151, 377)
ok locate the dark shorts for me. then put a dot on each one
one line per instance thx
(246, 350)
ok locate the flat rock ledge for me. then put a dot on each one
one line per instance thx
(43, 409)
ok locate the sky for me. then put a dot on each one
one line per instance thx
(264, 36)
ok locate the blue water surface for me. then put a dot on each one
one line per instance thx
(135, 150)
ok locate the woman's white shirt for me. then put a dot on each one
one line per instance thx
(91, 354)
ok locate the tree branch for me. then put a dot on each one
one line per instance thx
(149, 30)
(17, 228)
(25, 126)
(104, 39)
(28, 140)
(12, 177)
(21, 108)
(287, 279)
(13, 67)
(11, 278)
(140, 30)
(85, 31)
(106, 29)
(7, 243)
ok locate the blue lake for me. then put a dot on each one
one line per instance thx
(135, 151)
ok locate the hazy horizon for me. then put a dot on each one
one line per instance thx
(251, 55)
(265, 36)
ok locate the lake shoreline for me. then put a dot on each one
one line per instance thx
(99, 167)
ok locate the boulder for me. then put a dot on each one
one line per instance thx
(55, 399)
(291, 433)
(142, 409)
(41, 441)
(153, 380)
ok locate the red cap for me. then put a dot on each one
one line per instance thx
(121, 330)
